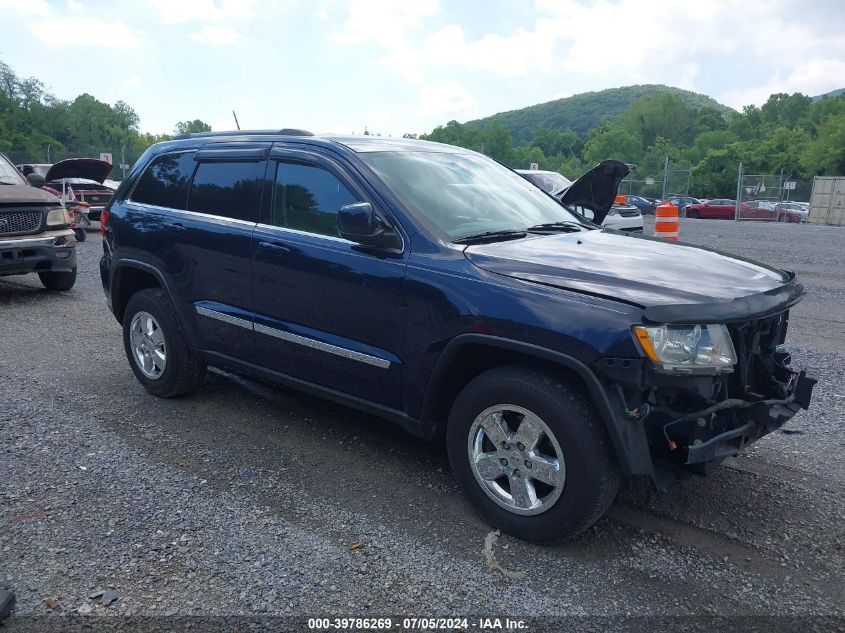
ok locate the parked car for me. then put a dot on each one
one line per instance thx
(551, 182)
(645, 206)
(758, 210)
(622, 217)
(34, 233)
(789, 211)
(432, 286)
(682, 201)
(717, 208)
(84, 176)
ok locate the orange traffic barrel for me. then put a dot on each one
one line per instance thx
(666, 221)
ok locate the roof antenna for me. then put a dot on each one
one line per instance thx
(238, 125)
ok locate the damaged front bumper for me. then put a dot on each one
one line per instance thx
(695, 422)
(763, 418)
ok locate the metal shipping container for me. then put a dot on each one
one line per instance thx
(827, 202)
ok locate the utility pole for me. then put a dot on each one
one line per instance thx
(123, 160)
(665, 176)
(48, 153)
(738, 193)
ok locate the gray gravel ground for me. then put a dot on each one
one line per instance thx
(245, 498)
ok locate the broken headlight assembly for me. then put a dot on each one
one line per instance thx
(687, 349)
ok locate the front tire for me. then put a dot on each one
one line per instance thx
(532, 454)
(58, 281)
(158, 353)
(693, 215)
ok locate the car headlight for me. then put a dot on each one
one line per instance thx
(58, 218)
(688, 349)
(613, 211)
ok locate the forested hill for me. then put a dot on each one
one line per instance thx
(582, 112)
(832, 93)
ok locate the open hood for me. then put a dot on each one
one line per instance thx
(596, 190)
(87, 168)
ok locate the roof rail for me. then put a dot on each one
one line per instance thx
(283, 132)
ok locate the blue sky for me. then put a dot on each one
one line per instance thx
(396, 67)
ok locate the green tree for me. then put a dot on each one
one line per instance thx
(611, 141)
(190, 127)
(825, 155)
(497, 143)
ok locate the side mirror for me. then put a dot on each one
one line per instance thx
(358, 222)
(36, 180)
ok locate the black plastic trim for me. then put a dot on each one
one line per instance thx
(748, 308)
(412, 425)
(628, 438)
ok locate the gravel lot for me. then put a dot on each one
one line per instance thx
(255, 500)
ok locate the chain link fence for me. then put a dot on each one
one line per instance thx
(759, 196)
(121, 158)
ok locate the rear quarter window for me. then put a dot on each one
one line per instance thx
(165, 181)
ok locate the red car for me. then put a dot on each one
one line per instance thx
(84, 175)
(767, 210)
(723, 209)
(719, 208)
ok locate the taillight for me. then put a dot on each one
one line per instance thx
(104, 218)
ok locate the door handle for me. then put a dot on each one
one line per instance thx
(176, 227)
(274, 246)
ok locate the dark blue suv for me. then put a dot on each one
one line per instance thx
(430, 285)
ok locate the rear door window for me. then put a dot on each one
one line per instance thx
(165, 181)
(228, 189)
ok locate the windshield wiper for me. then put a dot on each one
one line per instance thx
(491, 236)
(568, 227)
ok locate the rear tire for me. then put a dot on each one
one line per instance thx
(58, 281)
(693, 215)
(158, 353)
(81, 235)
(585, 481)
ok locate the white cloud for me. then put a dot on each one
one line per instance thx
(215, 35)
(33, 7)
(813, 77)
(448, 97)
(770, 45)
(384, 22)
(133, 81)
(181, 11)
(91, 32)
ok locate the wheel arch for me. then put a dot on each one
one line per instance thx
(460, 361)
(129, 277)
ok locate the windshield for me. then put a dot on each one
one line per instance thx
(552, 183)
(9, 173)
(465, 194)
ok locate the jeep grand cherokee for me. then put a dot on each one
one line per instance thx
(430, 285)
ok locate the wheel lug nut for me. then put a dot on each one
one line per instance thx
(516, 473)
(527, 464)
(503, 461)
(506, 446)
(521, 446)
